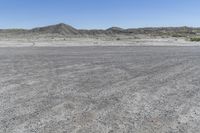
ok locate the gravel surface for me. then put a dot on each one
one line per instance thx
(100, 90)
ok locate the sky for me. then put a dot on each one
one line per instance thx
(99, 14)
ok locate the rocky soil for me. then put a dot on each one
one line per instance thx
(100, 90)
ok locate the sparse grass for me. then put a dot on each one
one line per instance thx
(195, 39)
(177, 35)
(118, 39)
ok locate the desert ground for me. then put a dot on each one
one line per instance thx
(95, 41)
(100, 89)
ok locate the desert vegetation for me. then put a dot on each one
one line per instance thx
(195, 39)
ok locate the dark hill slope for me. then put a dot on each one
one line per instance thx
(56, 29)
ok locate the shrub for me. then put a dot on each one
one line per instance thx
(118, 39)
(195, 39)
(177, 35)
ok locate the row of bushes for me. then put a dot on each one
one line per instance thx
(178, 35)
(195, 39)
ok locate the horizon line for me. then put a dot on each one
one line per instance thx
(139, 27)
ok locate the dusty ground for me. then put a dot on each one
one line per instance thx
(100, 90)
(92, 41)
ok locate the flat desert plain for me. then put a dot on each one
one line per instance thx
(100, 90)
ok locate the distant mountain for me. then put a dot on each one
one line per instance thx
(67, 30)
(58, 29)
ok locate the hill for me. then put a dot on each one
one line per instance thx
(61, 28)
(67, 30)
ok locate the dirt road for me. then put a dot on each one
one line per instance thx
(100, 90)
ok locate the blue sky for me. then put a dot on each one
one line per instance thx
(89, 14)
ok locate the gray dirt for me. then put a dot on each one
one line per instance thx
(100, 90)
